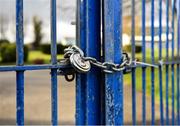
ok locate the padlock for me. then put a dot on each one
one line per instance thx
(79, 64)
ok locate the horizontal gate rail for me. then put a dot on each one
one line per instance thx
(33, 67)
(64, 67)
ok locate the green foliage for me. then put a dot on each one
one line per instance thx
(26, 53)
(128, 48)
(2, 41)
(37, 24)
(8, 53)
(46, 48)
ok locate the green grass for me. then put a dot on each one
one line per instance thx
(127, 77)
(127, 80)
(34, 55)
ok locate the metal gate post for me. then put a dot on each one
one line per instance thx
(113, 52)
(93, 49)
(89, 40)
(81, 78)
(20, 62)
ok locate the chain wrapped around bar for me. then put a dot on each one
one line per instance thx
(74, 57)
(106, 67)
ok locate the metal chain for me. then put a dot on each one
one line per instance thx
(107, 67)
(74, 57)
(81, 61)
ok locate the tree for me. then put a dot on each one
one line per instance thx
(37, 24)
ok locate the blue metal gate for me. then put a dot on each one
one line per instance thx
(99, 95)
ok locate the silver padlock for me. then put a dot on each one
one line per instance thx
(79, 64)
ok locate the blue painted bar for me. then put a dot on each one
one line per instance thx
(33, 67)
(62, 67)
(20, 62)
(167, 58)
(178, 54)
(172, 66)
(144, 60)
(152, 69)
(103, 94)
(20, 98)
(113, 42)
(81, 78)
(93, 49)
(160, 67)
(54, 88)
(54, 102)
(133, 75)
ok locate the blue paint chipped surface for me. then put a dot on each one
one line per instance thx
(112, 43)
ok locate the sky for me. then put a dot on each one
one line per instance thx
(40, 8)
(65, 15)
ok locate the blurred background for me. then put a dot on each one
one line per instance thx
(37, 51)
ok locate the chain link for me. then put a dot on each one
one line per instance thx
(107, 67)
(74, 56)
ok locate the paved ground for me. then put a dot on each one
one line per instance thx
(38, 105)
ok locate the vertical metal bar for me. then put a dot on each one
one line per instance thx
(103, 115)
(178, 54)
(81, 78)
(152, 60)
(172, 66)
(19, 62)
(93, 49)
(133, 75)
(144, 60)
(113, 53)
(167, 58)
(160, 67)
(54, 89)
